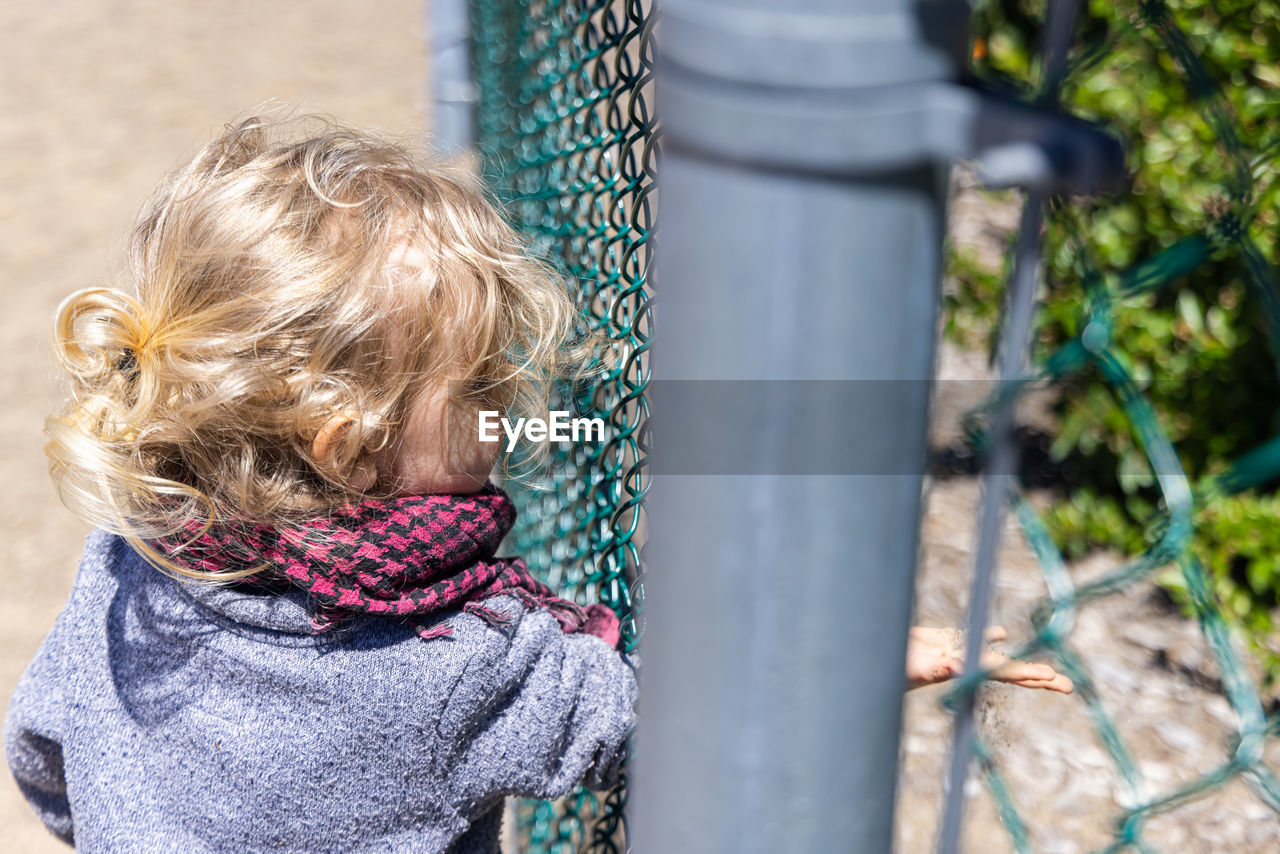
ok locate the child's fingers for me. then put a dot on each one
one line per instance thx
(1059, 683)
(997, 661)
(947, 669)
(1006, 669)
(1025, 674)
(939, 670)
(1030, 675)
(1023, 671)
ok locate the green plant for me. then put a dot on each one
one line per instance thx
(1180, 265)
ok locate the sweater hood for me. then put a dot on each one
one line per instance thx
(263, 609)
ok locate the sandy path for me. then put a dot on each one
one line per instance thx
(100, 98)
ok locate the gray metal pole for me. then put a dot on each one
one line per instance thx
(453, 94)
(801, 216)
(802, 191)
(1015, 344)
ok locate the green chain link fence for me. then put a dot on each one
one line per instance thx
(1099, 353)
(569, 139)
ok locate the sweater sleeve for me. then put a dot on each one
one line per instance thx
(33, 732)
(558, 713)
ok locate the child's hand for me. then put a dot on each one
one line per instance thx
(936, 655)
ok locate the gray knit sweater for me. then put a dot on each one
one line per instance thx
(166, 716)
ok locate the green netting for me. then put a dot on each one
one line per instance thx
(1099, 354)
(569, 142)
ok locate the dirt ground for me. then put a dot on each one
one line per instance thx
(100, 98)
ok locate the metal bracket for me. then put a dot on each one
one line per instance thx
(859, 92)
(888, 128)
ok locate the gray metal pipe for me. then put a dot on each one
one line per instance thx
(1014, 354)
(778, 602)
(453, 96)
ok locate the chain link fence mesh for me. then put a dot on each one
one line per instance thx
(569, 140)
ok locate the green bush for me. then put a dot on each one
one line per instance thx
(1198, 345)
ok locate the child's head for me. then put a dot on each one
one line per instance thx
(309, 301)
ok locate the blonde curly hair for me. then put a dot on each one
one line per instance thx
(294, 269)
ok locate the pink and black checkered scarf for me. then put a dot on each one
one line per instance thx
(408, 557)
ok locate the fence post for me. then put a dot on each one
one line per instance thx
(453, 94)
(799, 245)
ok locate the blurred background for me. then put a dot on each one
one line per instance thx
(100, 99)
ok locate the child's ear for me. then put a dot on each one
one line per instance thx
(363, 474)
(327, 439)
